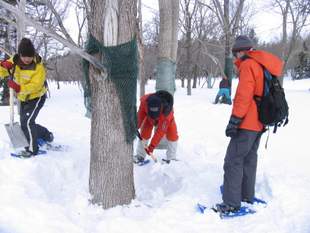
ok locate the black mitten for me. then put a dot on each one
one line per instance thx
(233, 125)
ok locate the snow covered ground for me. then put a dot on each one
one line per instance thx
(49, 193)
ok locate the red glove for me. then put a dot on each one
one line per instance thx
(149, 150)
(14, 85)
(7, 64)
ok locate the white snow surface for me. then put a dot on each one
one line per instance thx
(49, 193)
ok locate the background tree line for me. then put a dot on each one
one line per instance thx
(202, 43)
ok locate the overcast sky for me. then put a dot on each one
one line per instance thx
(267, 23)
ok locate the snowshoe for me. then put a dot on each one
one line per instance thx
(140, 161)
(27, 154)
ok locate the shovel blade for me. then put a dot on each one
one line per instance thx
(16, 135)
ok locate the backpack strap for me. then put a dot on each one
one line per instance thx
(267, 137)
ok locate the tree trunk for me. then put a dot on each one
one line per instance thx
(168, 45)
(188, 43)
(142, 77)
(228, 38)
(182, 82)
(195, 76)
(284, 38)
(111, 166)
(20, 22)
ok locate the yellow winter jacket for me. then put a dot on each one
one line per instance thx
(31, 78)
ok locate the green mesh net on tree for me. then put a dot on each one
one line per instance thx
(122, 66)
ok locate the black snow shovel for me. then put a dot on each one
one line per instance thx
(13, 129)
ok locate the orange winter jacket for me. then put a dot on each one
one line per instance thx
(163, 123)
(251, 84)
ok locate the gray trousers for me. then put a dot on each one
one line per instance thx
(240, 167)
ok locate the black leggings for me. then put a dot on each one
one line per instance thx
(29, 111)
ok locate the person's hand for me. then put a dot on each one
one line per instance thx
(6, 64)
(14, 85)
(232, 127)
(149, 150)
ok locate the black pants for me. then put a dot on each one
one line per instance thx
(29, 111)
(240, 167)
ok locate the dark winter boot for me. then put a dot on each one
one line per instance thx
(25, 154)
(50, 137)
(247, 201)
(138, 159)
(225, 209)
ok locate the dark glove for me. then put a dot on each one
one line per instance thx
(232, 127)
(149, 150)
(14, 85)
(7, 64)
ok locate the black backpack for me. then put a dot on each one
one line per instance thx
(272, 106)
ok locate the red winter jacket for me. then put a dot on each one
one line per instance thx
(163, 123)
(250, 84)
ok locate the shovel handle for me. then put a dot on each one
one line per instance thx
(143, 142)
(11, 100)
(11, 106)
(153, 157)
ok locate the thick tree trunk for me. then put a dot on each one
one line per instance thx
(111, 166)
(188, 36)
(142, 77)
(168, 45)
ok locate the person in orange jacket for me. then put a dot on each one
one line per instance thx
(244, 126)
(156, 110)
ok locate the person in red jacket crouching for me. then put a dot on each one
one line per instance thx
(156, 111)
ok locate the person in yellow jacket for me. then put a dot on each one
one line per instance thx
(29, 84)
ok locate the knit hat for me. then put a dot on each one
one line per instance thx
(26, 48)
(153, 106)
(242, 43)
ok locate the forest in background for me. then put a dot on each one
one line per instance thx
(201, 34)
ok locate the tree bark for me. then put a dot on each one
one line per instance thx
(111, 166)
(142, 77)
(228, 38)
(168, 45)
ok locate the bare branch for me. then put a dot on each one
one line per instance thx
(57, 37)
(213, 58)
(59, 20)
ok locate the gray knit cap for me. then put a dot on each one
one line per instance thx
(242, 43)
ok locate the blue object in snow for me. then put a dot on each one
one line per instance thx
(41, 142)
(144, 162)
(17, 155)
(201, 208)
(241, 212)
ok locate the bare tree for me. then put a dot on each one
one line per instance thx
(188, 10)
(229, 15)
(205, 29)
(111, 165)
(142, 76)
(295, 13)
(168, 45)
(75, 49)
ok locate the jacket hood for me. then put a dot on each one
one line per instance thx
(271, 62)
